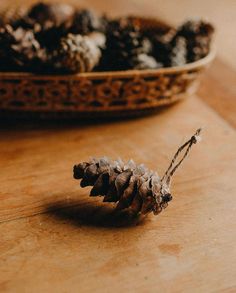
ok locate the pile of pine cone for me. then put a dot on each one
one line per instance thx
(58, 38)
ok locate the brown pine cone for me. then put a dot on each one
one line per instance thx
(76, 54)
(55, 13)
(131, 186)
(198, 35)
(161, 46)
(123, 46)
(42, 16)
(19, 49)
(50, 37)
(85, 21)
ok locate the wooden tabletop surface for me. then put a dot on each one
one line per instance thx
(54, 238)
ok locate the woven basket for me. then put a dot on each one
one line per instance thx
(99, 94)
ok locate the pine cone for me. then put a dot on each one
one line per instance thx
(55, 14)
(86, 21)
(131, 186)
(198, 35)
(6, 39)
(50, 37)
(124, 44)
(162, 47)
(76, 54)
(19, 49)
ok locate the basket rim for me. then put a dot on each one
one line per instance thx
(203, 62)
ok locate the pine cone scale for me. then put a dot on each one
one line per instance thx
(128, 195)
(79, 170)
(136, 205)
(101, 185)
(122, 181)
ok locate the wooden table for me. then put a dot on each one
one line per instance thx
(54, 237)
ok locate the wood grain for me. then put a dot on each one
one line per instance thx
(54, 238)
(189, 247)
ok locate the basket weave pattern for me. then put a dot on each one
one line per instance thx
(81, 93)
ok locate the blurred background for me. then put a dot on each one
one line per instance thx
(220, 13)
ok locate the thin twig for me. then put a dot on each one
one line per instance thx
(171, 169)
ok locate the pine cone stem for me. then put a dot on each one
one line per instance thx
(171, 170)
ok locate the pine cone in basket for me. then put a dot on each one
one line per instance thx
(124, 45)
(77, 53)
(56, 13)
(50, 37)
(42, 16)
(162, 47)
(19, 49)
(85, 21)
(198, 35)
(132, 187)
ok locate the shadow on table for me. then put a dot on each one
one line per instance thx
(18, 122)
(92, 214)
